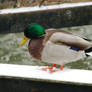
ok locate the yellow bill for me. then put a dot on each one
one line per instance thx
(24, 41)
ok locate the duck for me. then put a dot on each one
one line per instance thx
(55, 46)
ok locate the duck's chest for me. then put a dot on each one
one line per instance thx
(35, 48)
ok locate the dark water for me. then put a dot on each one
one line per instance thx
(12, 53)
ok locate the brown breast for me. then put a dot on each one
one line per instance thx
(35, 47)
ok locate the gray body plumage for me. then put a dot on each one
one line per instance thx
(57, 48)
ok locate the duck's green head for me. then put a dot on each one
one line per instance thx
(33, 31)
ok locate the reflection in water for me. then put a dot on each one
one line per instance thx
(12, 53)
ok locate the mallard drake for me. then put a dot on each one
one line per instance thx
(55, 46)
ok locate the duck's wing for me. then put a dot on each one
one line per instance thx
(70, 40)
(87, 39)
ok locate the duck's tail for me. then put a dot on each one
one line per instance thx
(88, 52)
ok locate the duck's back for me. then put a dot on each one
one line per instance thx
(59, 52)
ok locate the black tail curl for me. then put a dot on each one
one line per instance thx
(88, 51)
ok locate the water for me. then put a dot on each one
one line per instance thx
(12, 53)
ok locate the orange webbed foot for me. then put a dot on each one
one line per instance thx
(51, 69)
(47, 68)
(61, 67)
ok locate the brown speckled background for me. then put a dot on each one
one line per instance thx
(22, 3)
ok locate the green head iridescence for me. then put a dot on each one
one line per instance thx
(34, 31)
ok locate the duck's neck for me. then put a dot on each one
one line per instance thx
(35, 47)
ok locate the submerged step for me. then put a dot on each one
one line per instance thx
(53, 16)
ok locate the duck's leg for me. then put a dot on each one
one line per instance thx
(55, 69)
(61, 67)
(51, 68)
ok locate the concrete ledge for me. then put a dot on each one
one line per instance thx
(64, 15)
(44, 8)
(23, 78)
(67, 76)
